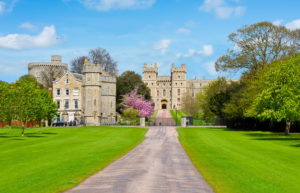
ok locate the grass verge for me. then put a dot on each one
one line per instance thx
(244, 161)
(178, 117)
(59, 158)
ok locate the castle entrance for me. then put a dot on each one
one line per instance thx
(164, 104)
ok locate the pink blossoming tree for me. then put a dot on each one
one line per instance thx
(135, 101)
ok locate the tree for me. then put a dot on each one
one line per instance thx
(96, 56)
(49, 74)
(128, 81)
(77, 64)
(102, 57)
(191, 105)
(33, 103)
(5, 102)
(280, 96)
(216, 95)
(257, 45)
(137, 102)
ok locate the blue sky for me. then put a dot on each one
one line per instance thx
(135, 32)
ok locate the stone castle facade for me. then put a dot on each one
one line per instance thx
(167, 91)
(88, 98)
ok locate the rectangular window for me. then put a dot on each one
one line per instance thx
(67, 92)
(58, 104)
(66, 104)
(178, 100)
(76, 91)
(178, 92)
(58, 92)
(76, 104)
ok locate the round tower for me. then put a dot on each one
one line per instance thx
(91, 99)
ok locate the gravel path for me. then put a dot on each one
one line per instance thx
(157, 165)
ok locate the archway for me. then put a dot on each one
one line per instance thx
(164, 104)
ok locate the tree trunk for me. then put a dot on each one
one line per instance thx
(287, 127)
(23, 127)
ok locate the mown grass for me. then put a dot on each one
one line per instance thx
(244, 161)
(59, 158)
(177, 118)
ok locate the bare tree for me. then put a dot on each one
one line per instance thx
(49, 74)
(102, 57)
(96, 56)
(77, 64)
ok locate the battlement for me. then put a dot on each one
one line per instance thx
(91, 68)
(150, 68)
(182, 68)
(56, 58)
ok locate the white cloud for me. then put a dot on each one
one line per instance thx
(184, 31)
(2, 7)
(277, 22)
(28, 26)
(207, 50)
(293, 24)
(162, 45)
(46, 38)
(210, 68)
(106, 5)
(221, 9)
(7, 6)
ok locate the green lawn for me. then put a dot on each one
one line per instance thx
(178, 117)
(59, 158)
(244, 161)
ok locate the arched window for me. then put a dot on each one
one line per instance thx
(178, 92)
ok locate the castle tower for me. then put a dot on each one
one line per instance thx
(91, 95)
(150, 74)
(178, 77)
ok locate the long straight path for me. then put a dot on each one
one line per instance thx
(157, 165)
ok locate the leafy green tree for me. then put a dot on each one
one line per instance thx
(33, 103)
(130, 114)
(128, 81)
(5, 102)
(257, 45)
(215, 97)
(280, 96)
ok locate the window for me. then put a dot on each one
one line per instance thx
(178, 92)
(164, 92)
(178, 100)
(76, 104)
(67, 92)
(181, 84)
(66, 104)
(67, 81)
(178, 77)
(58, 104)
(58, 92)
(76, 91)
(157, 92)
(149, 76)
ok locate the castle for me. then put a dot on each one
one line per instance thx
(88, 98)
(167, 91)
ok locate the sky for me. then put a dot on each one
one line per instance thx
(134, 32)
